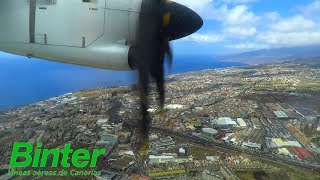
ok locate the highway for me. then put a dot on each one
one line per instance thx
(224, 147)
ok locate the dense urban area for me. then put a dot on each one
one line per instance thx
(255, 122)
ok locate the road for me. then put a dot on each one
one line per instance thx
(229, 148)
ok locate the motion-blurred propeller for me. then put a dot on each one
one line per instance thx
(161, 21)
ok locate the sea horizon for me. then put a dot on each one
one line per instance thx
(34, 80)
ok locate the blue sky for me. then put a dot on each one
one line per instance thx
(232, 26)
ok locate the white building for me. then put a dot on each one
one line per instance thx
(209, 131)
(279, 143)
(280, 114)
(182, 151)
(174, 106)
(241, 122)
(161, 159)
(111, 126)
(154, 159)
(102, 121)
(294, 144)
(284, 151)
(251, 145)
(224, 122)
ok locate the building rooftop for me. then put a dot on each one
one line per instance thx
(210, 130)
(241, 122)
(284, 151)
(174, 106)
(278, 142)
(280, 114)
(102, 121)
(225, 121)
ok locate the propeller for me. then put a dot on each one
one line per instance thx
(161, 21)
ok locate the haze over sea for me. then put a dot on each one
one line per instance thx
(24, 81)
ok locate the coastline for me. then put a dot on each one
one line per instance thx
(4, 109)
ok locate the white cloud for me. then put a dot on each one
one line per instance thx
(248, 46)
(238, 1)
(295, 24)
(293, 31)
(194, 3)
(290, 39)
(271, 16)
(311, 10)
(199, 6)
(204, 38)
(246, 30)
(240, 15)
(222, 10)
(240, 32)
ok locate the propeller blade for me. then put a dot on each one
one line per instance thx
(168, 52)
(147, 50)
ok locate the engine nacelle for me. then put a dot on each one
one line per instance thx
(105, 56)
(88, 32)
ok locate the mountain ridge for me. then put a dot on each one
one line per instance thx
(272, 55)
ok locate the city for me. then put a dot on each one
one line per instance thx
(260, 121)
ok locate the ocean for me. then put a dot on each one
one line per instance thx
(25, 81)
